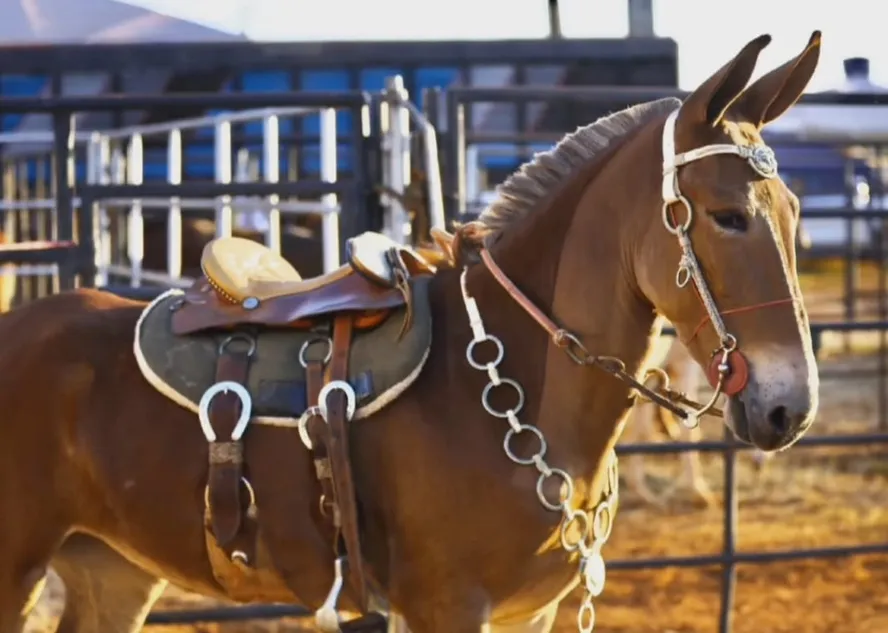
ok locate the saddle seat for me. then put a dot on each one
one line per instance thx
(245, 282)
(244, 271)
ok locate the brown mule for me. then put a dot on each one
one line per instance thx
(88, 445)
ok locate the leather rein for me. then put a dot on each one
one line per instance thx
(664, 396)
(728, 371)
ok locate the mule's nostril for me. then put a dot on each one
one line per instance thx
(779, 419)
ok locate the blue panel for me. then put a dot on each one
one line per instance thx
(500, 162)
(266, 81)
(327, 81)
(324, 80)
(19, 86)
(207, 132)
(504, 161)
(198, 163)
(311, 159)
(373, 79)
(433, 78)
(155, 165)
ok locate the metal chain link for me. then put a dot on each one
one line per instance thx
(580, 531)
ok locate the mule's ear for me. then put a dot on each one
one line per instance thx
(773, 94)
(709, 102)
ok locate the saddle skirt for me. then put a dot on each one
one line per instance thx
(383, 361)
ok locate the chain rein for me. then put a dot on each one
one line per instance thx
(594, 530)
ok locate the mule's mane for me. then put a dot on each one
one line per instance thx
(522, 192)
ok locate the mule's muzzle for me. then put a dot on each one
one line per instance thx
(768, 425)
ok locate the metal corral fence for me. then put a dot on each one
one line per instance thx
(92, 227)
(74, 251)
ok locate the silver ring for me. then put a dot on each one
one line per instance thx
(345, 388)
(692, 421)
(524, 461)
(238, 336)
(500, 352)
(729, 344)
(563, 499)
(680, 228)
(586, 617)
(203, 411)
(683, 276)
(251, 493)
(485, 396)
(315, 339)
(603, 521)
(582, 521)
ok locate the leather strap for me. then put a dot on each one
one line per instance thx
(578, 353)
(337, 421)
(319, 434)
(225, 504)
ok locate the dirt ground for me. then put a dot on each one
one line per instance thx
(804, 498)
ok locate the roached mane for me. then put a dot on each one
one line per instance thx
(522, 192)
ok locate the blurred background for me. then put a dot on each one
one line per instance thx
(131, 133)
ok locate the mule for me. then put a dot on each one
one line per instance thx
(506, 414)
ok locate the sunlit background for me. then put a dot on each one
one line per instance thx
(706, 30)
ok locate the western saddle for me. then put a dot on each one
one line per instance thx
(247, 283)
(246, 287)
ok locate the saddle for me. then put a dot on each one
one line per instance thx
(251, 341)
(245, 282)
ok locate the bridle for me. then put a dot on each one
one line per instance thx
(728, 372)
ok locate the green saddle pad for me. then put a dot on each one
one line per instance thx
(381, 365)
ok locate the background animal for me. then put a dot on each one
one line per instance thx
(647, 422)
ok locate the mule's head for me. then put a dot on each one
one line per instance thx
(725, 208)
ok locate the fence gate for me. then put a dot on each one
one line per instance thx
(151, 195)
(117, 157)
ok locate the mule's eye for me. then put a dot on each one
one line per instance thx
(736, 221)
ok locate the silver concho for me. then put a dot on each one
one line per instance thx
(762, 159)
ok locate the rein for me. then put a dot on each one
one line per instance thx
(578, 353)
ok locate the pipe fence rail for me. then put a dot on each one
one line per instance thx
(118, 157)
(389, 134)
(108, 170)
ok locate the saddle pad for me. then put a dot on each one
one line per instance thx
(381, 366)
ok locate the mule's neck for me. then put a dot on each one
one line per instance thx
(574, 262)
